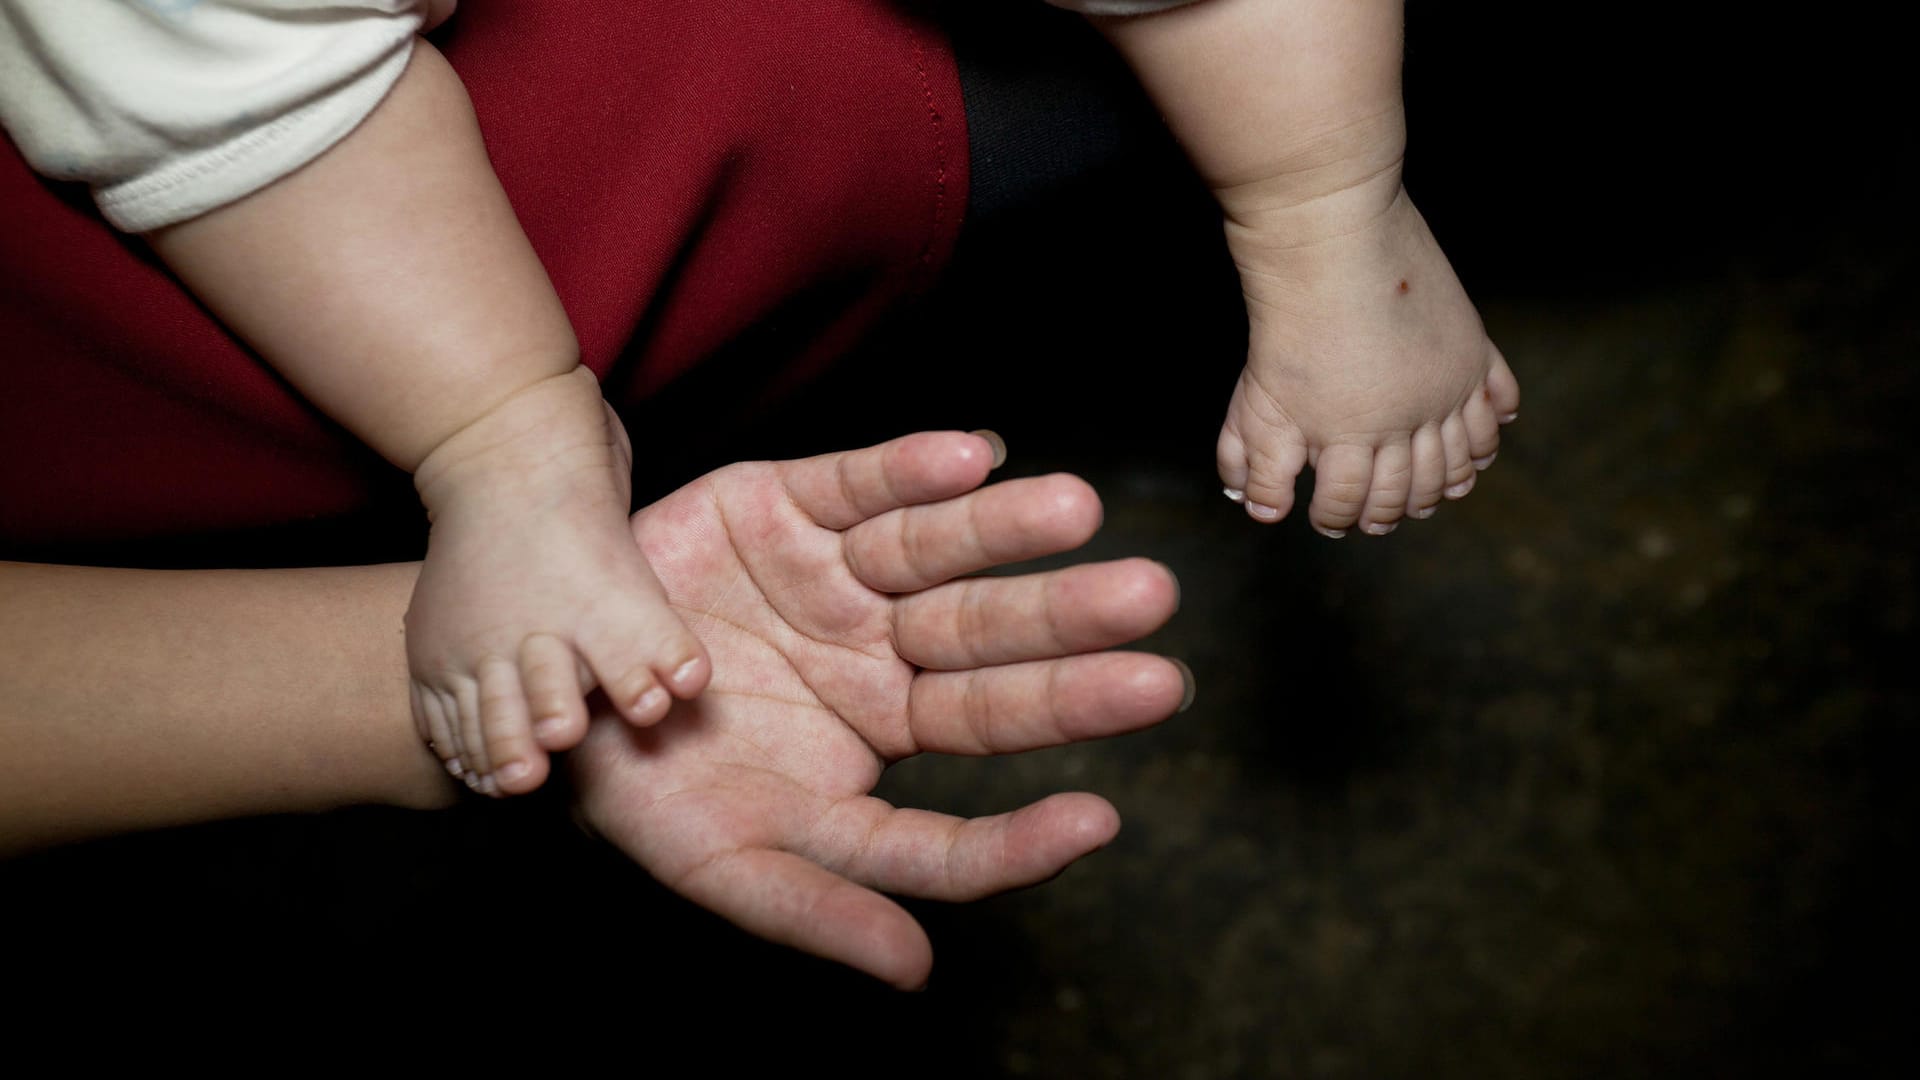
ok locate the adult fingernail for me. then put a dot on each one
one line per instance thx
(998, 444)
(1262, 513)
(1331, 534)
(1190, 687)
(1234, 494)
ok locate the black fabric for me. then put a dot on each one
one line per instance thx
(1050, 107)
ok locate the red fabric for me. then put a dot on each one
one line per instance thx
(688, 171)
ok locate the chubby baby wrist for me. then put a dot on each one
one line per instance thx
(525, 434)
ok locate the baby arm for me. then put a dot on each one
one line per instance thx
(1366, 359)
(391, 283)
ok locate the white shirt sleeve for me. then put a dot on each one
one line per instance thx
(1118, 7)
(171, 108)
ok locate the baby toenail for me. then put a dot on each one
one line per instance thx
(1262, 513)
(1482, 462)
(1375, 528)
(1331, 534)
(551, 727)
(515, 770)
(1459, 489)
(685, 671)
(1421, 514)
(654, 699)
(1234, 494)
(1510, 418)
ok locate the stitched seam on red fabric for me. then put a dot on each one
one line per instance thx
(939, 150)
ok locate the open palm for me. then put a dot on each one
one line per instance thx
(825, 591)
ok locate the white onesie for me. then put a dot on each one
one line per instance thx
(171, 108)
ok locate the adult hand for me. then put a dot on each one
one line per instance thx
(825, 592)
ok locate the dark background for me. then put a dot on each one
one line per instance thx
(1602, 771)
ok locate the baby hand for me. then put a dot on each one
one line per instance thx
(1366, 361)
(534, 591)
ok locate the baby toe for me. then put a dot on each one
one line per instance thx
(1460, 471)
(555, 685)
(519, 765)
(1483, 430)
(644, 657)
(1503, 390)
(690, 669)
(1342, 479)
(462, 705)
(1392, 483)
(1429, 473)
(630, 685)
(1230, 456)
(1273, 468)
(434, 727)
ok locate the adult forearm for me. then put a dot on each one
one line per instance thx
(132, 699)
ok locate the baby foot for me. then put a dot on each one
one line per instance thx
(1366, 361)
(534, 592)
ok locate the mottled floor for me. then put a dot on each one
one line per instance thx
(1601, 772)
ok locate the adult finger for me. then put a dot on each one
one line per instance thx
(916, 547)
(942, 857)
(1000, 710)
(840, 490)
(980, 622)
(794, 901)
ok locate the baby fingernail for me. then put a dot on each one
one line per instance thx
(514, 771)
(1331, 534)
(1459, 489)
(551, 727)
(1510, 418)
(1262, 513)
(1186, 681)
(1421, 514)
(1234, 494)
(998, 444)
(1375, 528)
(685, 671)
(654, 699)
(1483, 462)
